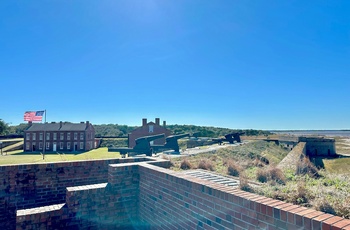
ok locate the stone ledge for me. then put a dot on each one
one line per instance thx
(32, 211)
(86, 187)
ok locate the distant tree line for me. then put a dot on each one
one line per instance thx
(115, 130)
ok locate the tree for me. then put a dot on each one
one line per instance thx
(3, 127)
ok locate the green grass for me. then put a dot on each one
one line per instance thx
(20, 157)
(337, 165)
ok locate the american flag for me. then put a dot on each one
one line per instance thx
(33, 115)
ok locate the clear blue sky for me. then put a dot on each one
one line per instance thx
(236, 64)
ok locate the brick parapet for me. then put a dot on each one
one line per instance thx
(34, 185)
(148, 196)
(207, 205)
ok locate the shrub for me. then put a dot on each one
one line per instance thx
(243, 183)
(323, 205)
(304, 167)
(300, 196)
(233, 168)
(185, 164)
(262, 175)
(277, 175)
(205, 164)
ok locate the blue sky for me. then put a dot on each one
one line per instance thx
(236, 64)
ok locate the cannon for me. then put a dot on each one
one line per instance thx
(142, 146)
(231, 137)
(170, 143)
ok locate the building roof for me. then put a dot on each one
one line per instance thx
(64, 126)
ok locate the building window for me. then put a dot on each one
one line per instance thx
(40, 137)
(47, 136)
(68, 145)
(54, 136)
(81, 136)
(61, 136)
(27, 136)
(81, 145)
(34, 136)
(68, 136)
(150, 129)
(40, 145)
(61, 145)
(28, 145)
(47, 145)
(75, 136)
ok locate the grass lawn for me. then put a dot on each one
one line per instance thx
(19, 157)
(338, 165)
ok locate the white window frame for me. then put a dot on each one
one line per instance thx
(54, 136)
(28, 145)
(150, 128)
(81, 145)
(81, 136)
(68, 136)
(75, 136)
(40, 137)
(27, 136)
(61, 136)
(34, 136)
(47, 136)
(47, 145)
(68, 145)
(61, 145)
(40, 145)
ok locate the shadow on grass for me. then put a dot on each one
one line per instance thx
(46, 153)
(318, 161)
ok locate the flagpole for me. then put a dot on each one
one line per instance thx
(45, 115)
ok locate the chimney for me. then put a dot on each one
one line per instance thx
(144, 121)
(87, 124)
(157, 121)
(164, 123)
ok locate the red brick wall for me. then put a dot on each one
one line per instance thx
(144, 131)
(169, 200)
(35, 185)
(146, 196)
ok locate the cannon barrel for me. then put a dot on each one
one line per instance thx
(176, 137)
(149, 138)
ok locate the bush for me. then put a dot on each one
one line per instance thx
(185, 164)
(301, 195)
(323, 205)
(304, 167)
(206, 164)
(262, 175)
(277, 175)
(233, 169)
(243, 183)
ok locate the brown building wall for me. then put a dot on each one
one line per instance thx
(146, 130)
(87, 138)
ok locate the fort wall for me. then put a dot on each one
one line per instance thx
(34, 185)
(146, 196)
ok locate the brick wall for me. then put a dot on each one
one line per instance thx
(169, 200)
(34, 185)
(145, 196)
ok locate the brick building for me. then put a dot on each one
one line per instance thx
(148, 129)
(59, 137)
